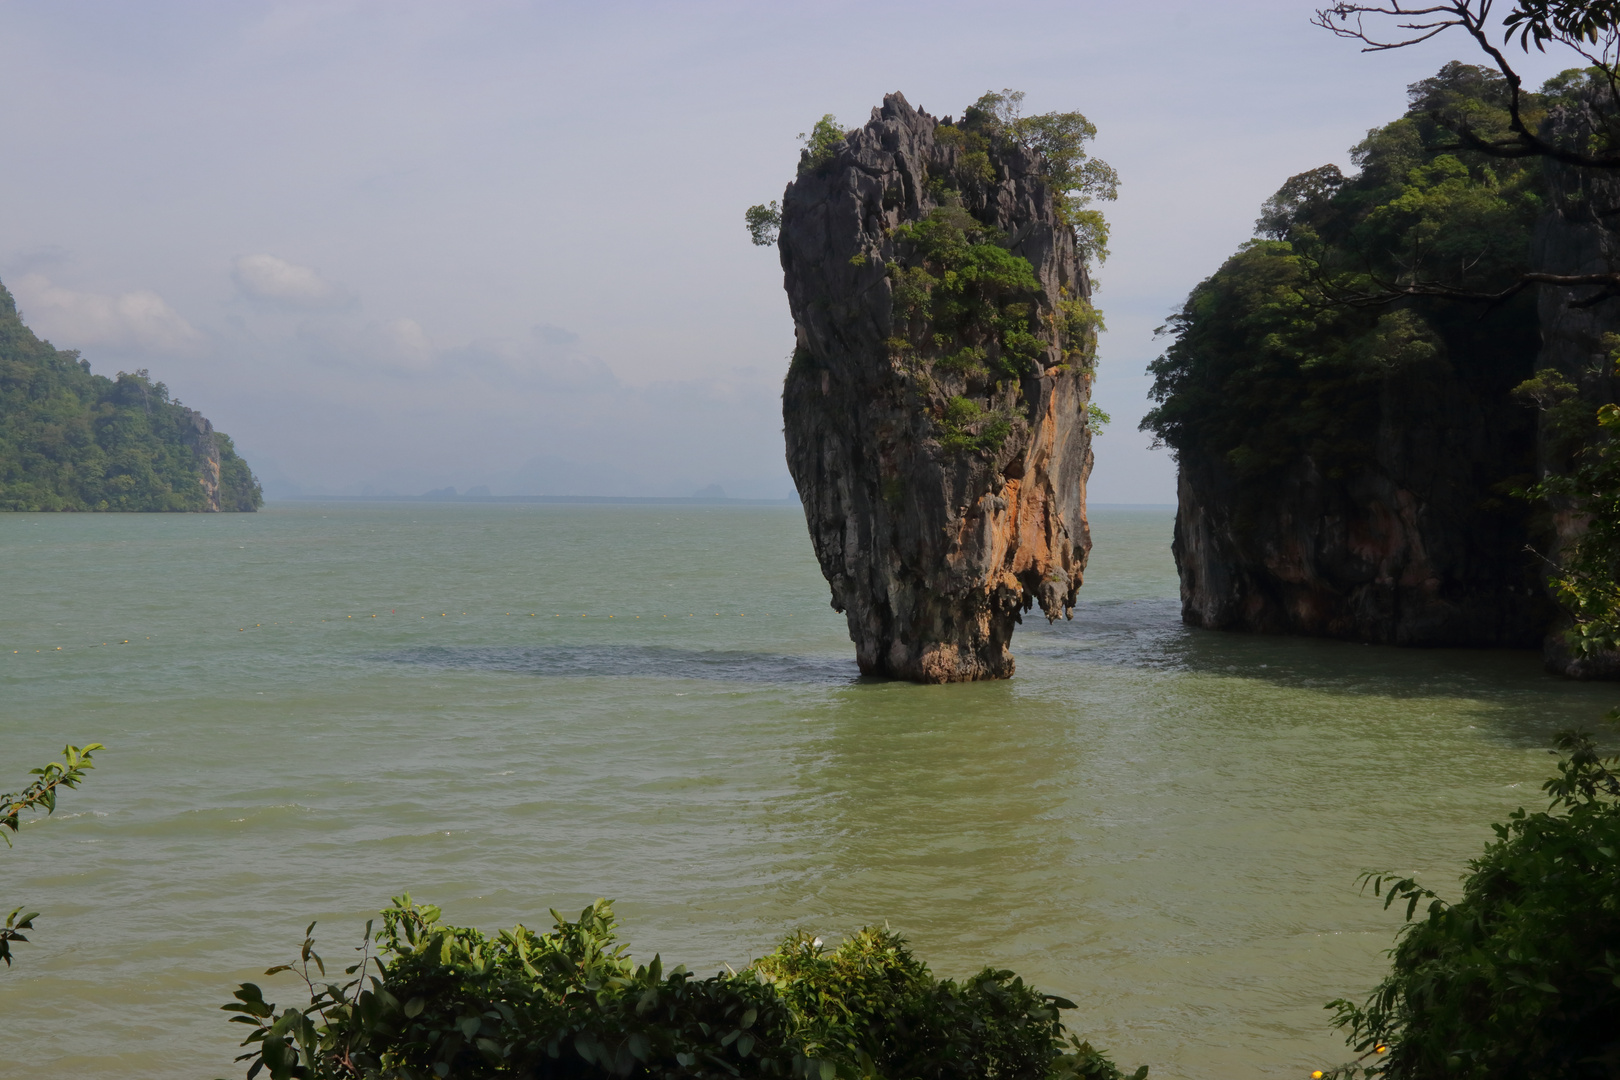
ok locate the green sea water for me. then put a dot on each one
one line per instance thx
(504, 709)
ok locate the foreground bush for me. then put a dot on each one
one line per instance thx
(445, 1001)
(1520, 978)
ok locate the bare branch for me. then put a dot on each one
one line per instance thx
(1543, 23)
(1424, 30)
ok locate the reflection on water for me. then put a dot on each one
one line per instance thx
(1164, 825)
(634, 662)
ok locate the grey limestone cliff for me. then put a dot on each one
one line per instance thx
(199, 435)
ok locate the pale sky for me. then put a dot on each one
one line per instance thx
(409, 245)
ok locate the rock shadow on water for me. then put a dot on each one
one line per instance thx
(634, 662)
(1135, 633)
(1149, 634)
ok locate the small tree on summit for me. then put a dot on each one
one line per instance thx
(764, 220)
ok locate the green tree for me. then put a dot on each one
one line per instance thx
(764, 222)
(1510, 125)
(40, 795)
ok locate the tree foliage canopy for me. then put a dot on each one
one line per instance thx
(70, 440)
(1276, 357)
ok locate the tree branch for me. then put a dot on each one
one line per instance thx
(1608, 286)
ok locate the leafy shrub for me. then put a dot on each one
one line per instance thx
(444, 1001)
(1078, 325)
(974, 168)
(970, 290)
(1520, 979)
(911, 287)
(967, 425)
(968, 361)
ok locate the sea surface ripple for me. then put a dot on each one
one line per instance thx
(504, 709)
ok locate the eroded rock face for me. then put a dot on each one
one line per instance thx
(942, 459)
(1413, 551)
(200, 437)
(1414, 541)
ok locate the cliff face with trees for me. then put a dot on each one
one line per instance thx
(1576, 369)
(1348, 460)
(936, 406)
(71, 440)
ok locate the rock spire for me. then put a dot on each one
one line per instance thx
(936, 404)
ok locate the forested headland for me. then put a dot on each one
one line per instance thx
(1367, 400)
(74, 440)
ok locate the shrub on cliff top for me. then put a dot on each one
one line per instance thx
(445, 1001)
(820, 143)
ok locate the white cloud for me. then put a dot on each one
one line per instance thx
(554, 335)
(405, 345)
(397, 347)
(265, 277)
(139, 320)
